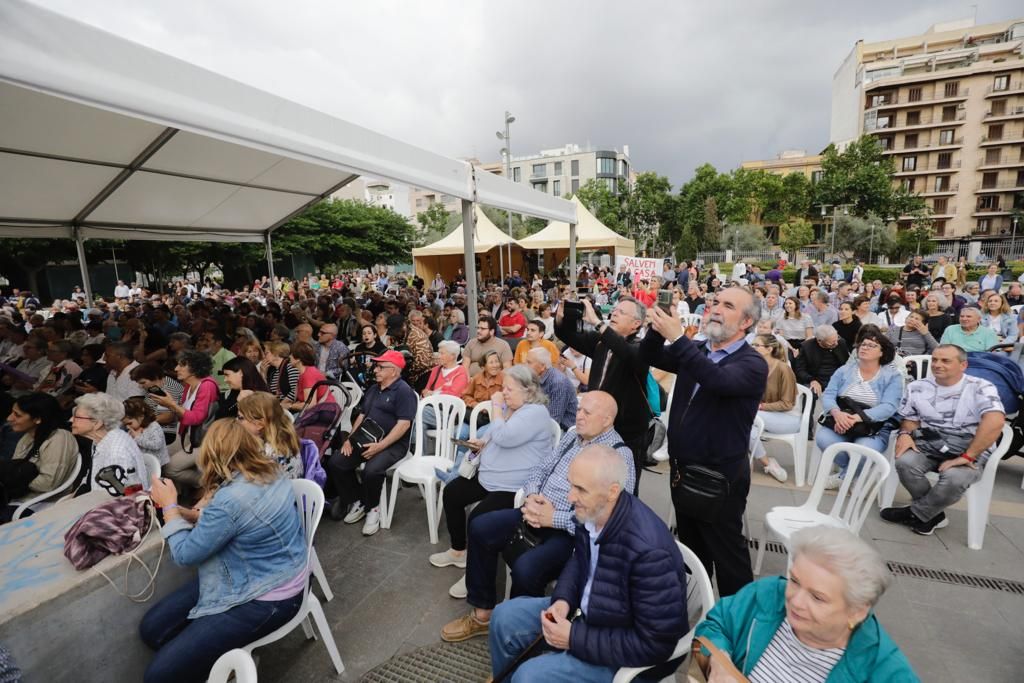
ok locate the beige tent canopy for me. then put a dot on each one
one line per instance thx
(590, 234)
(446, 255)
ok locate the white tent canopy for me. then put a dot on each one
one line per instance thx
(486, 236)
(101, 137)
(590, 234)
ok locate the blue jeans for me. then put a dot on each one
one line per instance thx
(531, 572)
(453, 474)
(186, 649)
(514, 625)
(825, 437)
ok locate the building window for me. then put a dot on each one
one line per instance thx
(886, 143)
(992, 156)
(914, 95)
(1020, 179)
(910, 163)
(623, 168)
(517, 174)
(913, 118)
(575, 184)
(816, 176)
(949, 114)
(543, 186)
(605, 165)
(939, 205)
(539, 171)
(983, 225)
(995, 132)
(998, 108)
(556, 188)
(940, 227)
(989, 202)
(946, 136)
(908, 184)
(558, 168)
(883, 122)
(1001, 83)
(945, 160)
(942, 183)
(910, 141)
(419, 202)
(989, 180)
(879, 100)
(574, 167)
(952, 89)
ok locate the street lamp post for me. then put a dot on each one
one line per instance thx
(507, 137)
(1013, 235)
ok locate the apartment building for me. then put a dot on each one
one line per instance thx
(789, 161)
(948, 105)
(561, 171)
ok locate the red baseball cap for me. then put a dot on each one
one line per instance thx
(393, 357)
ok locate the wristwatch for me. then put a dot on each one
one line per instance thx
(903, 432)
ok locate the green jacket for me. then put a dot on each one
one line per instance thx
(743, 624)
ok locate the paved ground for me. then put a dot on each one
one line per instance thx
(390, 600)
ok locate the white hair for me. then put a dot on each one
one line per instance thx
(609, 468)
(825, 332)
(525, 378)
(863, 571)
(102, 407)
(540, 355)
(448, 346)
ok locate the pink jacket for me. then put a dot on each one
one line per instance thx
(453, 385)
(207, 393)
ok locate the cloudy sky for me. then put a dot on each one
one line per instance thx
(680, 82)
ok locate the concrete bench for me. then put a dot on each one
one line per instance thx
(61, 624)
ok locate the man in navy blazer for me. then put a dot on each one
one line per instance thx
(621, 599)
(719, 385)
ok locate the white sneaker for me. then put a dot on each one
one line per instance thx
(833, 482)
(458, 591)
(372, 523)
(774, 469)
(355, 513)
(448, 559)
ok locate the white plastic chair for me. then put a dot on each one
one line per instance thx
(690, 319)
(798, 440)
(310, 499)
(921, 363)
(474, 416)
(418, 468)
(27, 504)
(852, 503)
(661, 455)
(698, 584)
(237, 662)
(755, 435)
(153, 468)
(556, 433)
(978, 496)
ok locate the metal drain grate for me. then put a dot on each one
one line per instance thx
(928, 574)
(469, 661)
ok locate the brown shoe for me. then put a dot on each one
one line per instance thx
(464, 628)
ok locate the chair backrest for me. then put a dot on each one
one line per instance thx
(690, 319)
(755, 434)
(858, 491)
(921, 364)
(237, 662)
(152, 467)
(988, 475)
(449, 412)
(805, 395)
(698, 584)
(474, 416)
(56, 491)
(309, 497)
(556, 433)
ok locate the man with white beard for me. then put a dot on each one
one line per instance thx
(719, 384)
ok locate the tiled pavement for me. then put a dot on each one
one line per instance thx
(389, 599)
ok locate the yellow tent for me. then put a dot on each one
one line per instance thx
(445, 256)
(591, 234)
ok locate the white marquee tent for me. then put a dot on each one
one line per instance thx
(590, 234)
(101, 137)
(445, 256)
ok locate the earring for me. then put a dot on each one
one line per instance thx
(851, 625)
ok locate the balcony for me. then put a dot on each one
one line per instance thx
(905, 101)
(927, 122)
(938, 192)
(1004, 186)
(1014, 88)
(1006, 160)
(1008, 115)
(986, 141)
(932, 168)
(926, 146)
(948, 212)
(993, 211)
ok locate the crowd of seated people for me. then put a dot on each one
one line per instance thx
(151, 374)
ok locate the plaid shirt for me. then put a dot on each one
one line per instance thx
(551, 477)
(561, 398)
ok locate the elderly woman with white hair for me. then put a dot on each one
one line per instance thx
(817, 624)
(117, 463)
(456, 330)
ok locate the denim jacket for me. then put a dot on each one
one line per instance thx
(888, 386)
(1008, 330)
(248, 540)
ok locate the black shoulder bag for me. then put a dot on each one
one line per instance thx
(863, 428)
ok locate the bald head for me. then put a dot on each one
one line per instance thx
(596, 414)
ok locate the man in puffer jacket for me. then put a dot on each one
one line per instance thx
(621, 599)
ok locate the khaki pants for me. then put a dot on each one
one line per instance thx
(181, 468)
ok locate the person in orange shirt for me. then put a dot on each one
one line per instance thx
(534, 339)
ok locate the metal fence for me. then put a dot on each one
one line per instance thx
(757, 255)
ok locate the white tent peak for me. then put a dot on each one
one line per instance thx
(590, 234)
(486, 236)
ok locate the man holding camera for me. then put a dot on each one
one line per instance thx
(617, 366)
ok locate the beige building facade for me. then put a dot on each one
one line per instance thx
(789, 161)
(948, 106)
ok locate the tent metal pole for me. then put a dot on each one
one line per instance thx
(572, 257)
(270, 266)
(469, 266)
(82, 265)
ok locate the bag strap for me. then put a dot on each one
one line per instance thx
(149, 589)
(722, 661)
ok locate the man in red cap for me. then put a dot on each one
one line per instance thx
(388, 408)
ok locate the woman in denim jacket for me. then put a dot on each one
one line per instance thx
(248, 544)
(996, 314)
(869, 378)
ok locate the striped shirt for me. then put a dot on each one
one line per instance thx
(861, 392)
(787, 660)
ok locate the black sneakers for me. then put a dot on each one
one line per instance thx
(901, 515)
(926, 528)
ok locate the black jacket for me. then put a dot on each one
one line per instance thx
(625, 379)
(816, 363)
(711, 428)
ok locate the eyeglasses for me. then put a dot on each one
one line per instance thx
(82, 417)
(870, 345)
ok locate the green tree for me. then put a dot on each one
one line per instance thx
(744, 237)
(864, 237)
(916, 239)
(862, 176)
(795, 234)
(712, 224)
(601, 202)
(650, 210)
(22, 260)
(797, 196)
(692, 203)
(755, 196)
(520, 227)
(434, 223)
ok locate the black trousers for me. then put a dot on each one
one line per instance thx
(637, 444)
(462, 492)
(342, 471)
(720, 544)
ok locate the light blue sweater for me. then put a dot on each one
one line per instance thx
(514, 447)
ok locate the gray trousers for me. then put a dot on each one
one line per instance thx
(931, 500)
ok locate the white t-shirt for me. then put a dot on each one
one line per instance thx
(581, 361)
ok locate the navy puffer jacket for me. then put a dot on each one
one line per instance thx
(637, 608)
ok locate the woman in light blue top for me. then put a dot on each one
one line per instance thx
(998, 317)
(871, 380)
(246, 538)
(992, 279)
